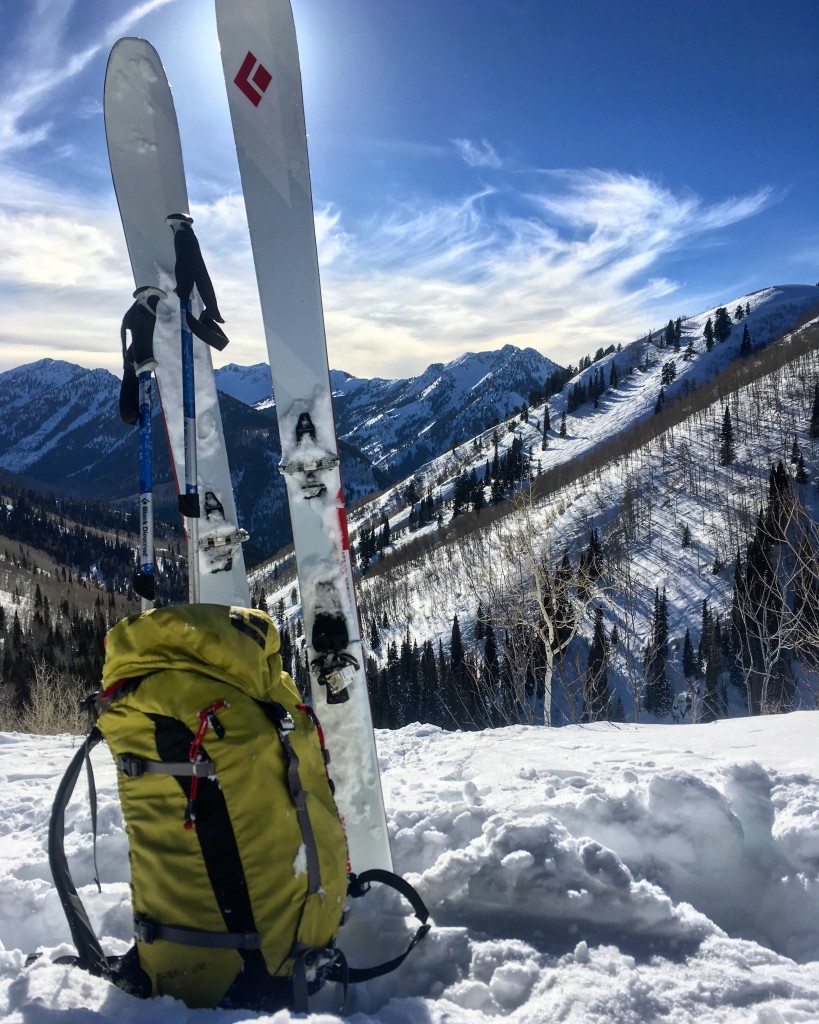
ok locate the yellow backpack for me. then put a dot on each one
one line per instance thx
(239, 871)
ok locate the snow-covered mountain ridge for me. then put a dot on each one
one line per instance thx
(400, 424)
(640, 371)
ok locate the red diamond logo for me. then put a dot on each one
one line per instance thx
(253, 79)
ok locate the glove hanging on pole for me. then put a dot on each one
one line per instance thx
(190, 270)
(139, 322)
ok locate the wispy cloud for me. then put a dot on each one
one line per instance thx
(577, 266)
(44, 63)
(480, 154)
(581, 268)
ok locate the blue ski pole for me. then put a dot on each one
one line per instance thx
(191, 271)
(138, 367)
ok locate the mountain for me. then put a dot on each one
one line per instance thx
(58, 425)
(401, 424)
(61, 432)
(248, 384)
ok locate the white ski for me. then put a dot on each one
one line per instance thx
(261, 64)
(149, 181)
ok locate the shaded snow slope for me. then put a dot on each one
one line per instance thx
(586, 876)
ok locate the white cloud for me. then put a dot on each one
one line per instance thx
(578, 269)
(481, 154)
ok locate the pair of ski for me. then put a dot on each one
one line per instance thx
(149, 180)
(263, 80)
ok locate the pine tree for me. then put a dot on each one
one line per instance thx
(739, 313)
(659, 405)
(480, 622)
(689, 660)
(722, 324)
(686, 536)
(457, 698)
(727, 447)
(596, 687)
(563, 425)
(613, 379)
(428, 673)
(490, 670)
(658, 695)
(708, 334)
(564, 612)
(814, 416)
(713, 701)
(745, 347)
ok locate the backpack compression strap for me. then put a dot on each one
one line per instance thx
(359, 885)
(89, 950)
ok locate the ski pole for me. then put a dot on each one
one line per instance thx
(191, 271)
(138, 366)
(189, 501)
(145, 583)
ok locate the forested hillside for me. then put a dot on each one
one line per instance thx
(663, 571)
(66, 568)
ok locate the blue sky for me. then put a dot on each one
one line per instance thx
(484, 171)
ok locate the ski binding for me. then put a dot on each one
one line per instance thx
(219, 546)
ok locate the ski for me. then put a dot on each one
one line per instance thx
(261, 65)
(149, 181)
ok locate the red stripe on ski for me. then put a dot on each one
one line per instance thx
(342, 522)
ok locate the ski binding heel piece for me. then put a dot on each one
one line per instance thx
(308, 472)
(336, 672)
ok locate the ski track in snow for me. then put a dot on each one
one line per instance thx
(589, 874)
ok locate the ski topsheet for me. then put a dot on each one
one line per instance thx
(149, 181)
(261, 64)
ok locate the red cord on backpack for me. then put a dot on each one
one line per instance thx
(207, 718)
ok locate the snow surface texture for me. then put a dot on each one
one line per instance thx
(587, 875)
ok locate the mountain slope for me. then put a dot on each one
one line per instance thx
(667, 515)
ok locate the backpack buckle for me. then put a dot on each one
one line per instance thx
(130, 765)
(144, 930)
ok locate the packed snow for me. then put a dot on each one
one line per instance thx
(631, 873)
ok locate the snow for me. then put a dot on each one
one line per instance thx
(625, 874)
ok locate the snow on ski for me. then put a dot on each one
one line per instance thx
(263, 79)
(149, 181)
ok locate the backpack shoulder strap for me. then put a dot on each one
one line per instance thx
(89, 950)
(359, 885)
